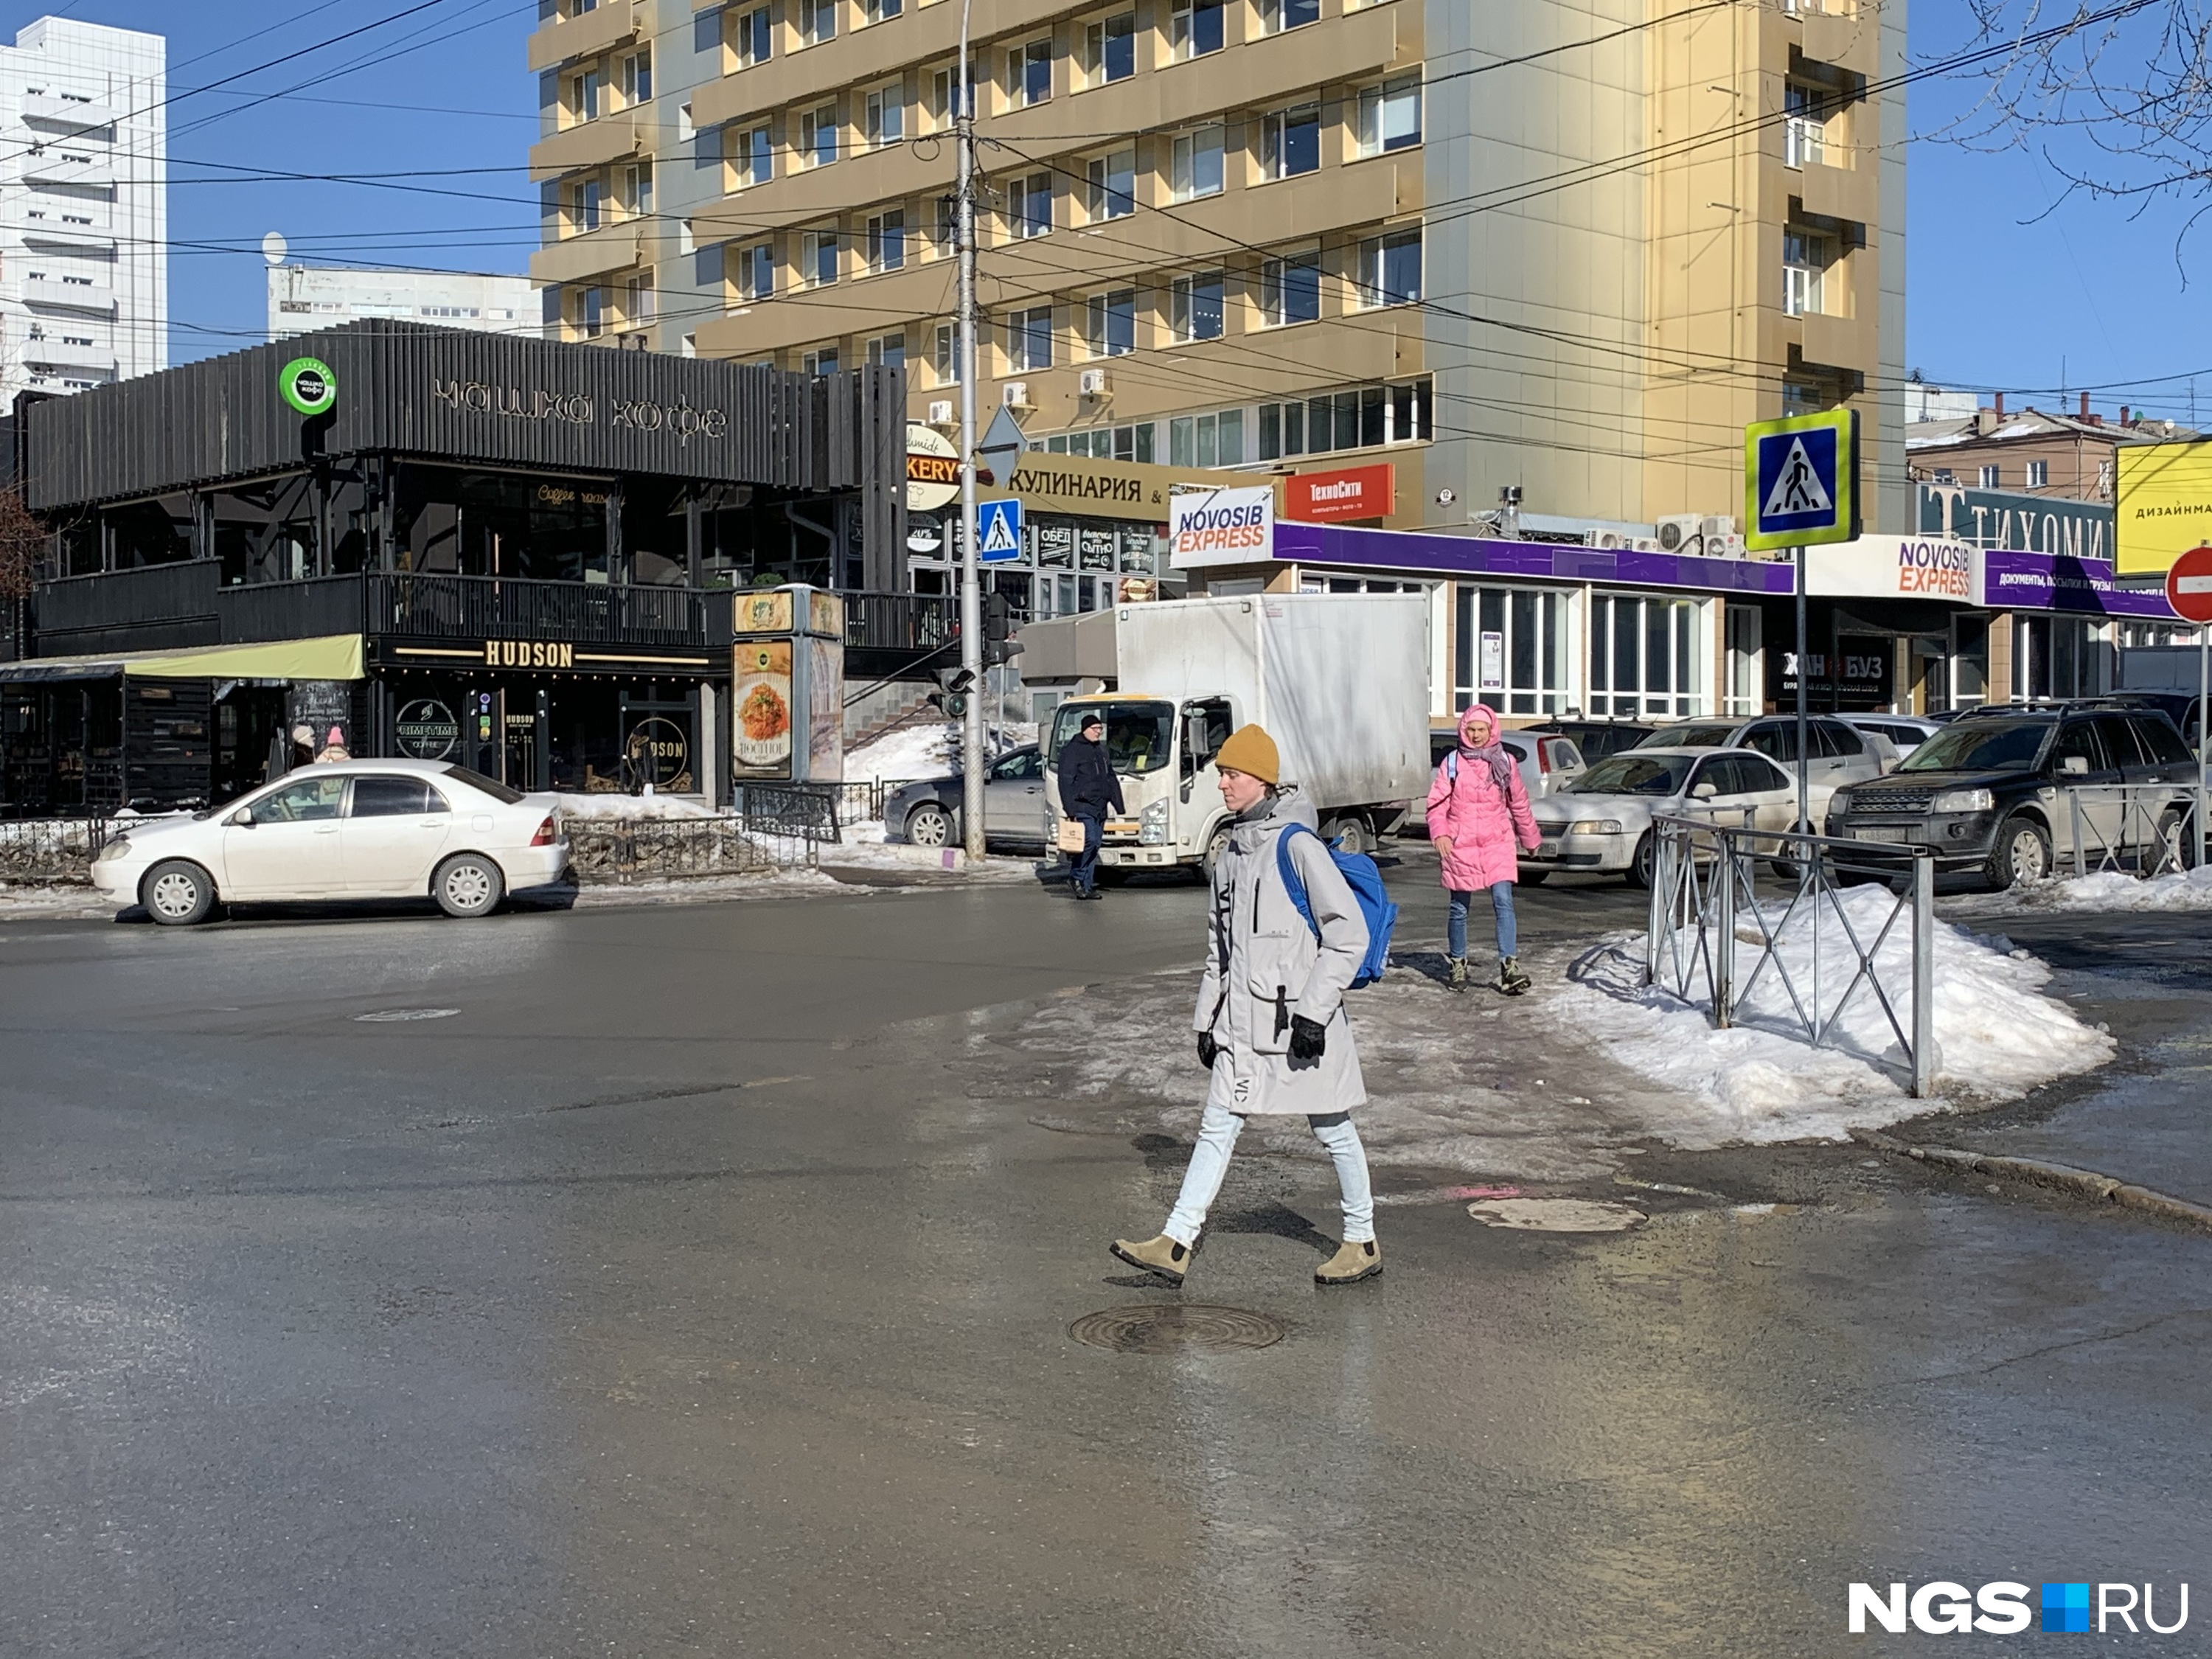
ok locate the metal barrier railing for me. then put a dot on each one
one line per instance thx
(1714, 941)
(52, 849)
(2130, 829)
(624, 850)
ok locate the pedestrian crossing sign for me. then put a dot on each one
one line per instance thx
(998, 532)
(1800, 480)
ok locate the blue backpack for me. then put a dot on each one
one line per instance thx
(1365, 881)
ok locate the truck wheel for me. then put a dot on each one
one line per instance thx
(1216, 845)
(1352, 832)
(177, 893)
(2022, 853)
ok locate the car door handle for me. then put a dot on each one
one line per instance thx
(326, 828)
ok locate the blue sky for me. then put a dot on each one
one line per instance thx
(2085, 297)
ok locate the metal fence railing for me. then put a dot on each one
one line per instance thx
(1810, 959)
(51, 849)
(620, 851)
(2132, 828)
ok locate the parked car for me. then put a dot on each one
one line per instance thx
(927, 813)
(1905, 732)
(1548, 762)
(1595, 739)
(1602, 822)
(1841, 755)
(1986, 791)
(2179, 707)
(381, 829)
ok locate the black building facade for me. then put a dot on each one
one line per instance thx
(514, 553)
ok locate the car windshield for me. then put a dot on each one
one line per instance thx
(483, 785)
(1632, 774)
(1707, 734)
(1139, 736)
(1980, 746)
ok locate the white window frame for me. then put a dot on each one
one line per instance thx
(1374, 251)
(881, 346)
(1275, 271)
(884, 115)
(816, 21)
(1804, 129)
(1279, 16)
(1988, 476)
(2039, 475)
(1105, 201)
(887, 241)
(755, 28)
(1804, 273)
(1183, 28)
(1189, 162)
(1274, 140)
(1096, 38)
(1382, 107)
(1021, 225)
(757, 260)
(755, 162)
(1183, 309)
(1688, 691)
(1022, 326)
(812, 127)
(1545, 613)
(813, 245)
(1099, 316)
(1020, 61)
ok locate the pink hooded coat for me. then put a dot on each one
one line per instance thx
(1481, 821)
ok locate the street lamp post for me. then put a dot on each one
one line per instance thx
(971, 582)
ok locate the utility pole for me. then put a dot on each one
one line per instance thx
(971, 582)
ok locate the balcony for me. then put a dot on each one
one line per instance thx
(71, 172)
(56, 233)
(598, 143)
(69, 114)
(51, 294)
(1839, 195)
(1849, 40)
(52, 350)
(586, 35)
(594, 253)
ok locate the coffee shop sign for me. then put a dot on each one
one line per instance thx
(580, 409)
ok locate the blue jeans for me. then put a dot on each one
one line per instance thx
(1501, 901)
(1083, 873)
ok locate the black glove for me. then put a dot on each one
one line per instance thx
(1308, 1039)
(1208, 1049)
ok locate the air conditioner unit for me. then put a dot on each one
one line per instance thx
(1015, 394)
(1605, 538)
(1094, 383)
(940, 412)
(1645, 544)
(1715, 526)
(1725, 547)
(1679, 532)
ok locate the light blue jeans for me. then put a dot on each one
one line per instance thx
(1209, 1162)
(1501, 901)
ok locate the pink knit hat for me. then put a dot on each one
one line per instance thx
(1478, 713)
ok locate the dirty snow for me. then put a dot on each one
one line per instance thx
(612, 805)
(2189, 890)
(921, 751)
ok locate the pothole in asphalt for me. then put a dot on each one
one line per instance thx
(1176, 1327)
(1556, 1215)
(388, 1015)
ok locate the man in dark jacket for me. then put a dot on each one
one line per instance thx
(1087, 787)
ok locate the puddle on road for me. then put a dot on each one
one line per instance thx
(392, 1016)
(1556, 1215)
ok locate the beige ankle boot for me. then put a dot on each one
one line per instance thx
(1161, 1255)
(1350, 1264)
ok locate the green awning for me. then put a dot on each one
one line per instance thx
(330, 657)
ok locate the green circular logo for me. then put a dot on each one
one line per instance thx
(308, 386)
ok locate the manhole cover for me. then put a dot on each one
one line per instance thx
(1555, 1215)
(1175, 1328)
(385, 1015)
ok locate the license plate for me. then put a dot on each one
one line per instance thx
(1547, 849)
(1881, 832)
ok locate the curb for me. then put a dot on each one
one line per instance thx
(2058, 1177)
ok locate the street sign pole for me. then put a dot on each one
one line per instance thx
(2204, 702)
(2189, 596)
(1804, 672)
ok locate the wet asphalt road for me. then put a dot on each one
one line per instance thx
(674, 1294)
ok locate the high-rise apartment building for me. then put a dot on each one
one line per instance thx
(303, 298)
(84, 283)
(1569, 249)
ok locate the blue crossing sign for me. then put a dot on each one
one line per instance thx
(1800, 480)
(998, 532)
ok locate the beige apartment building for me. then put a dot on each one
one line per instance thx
(1570, 248)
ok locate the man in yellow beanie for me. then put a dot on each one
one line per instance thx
(1272, 1030)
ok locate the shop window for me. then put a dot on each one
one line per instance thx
(1746, 671)
(1510, 649)
(2059, 656)
(157, 531)
(1645, 656)
(454, 521)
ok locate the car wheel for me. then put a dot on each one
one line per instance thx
(468, 884)
(1644, 867)
(177, 894)
(1787, 869)
(2176, 840)
(2022, 853)
(929, 825)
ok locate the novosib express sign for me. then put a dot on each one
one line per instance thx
(1221, 526)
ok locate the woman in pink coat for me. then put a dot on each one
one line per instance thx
(1478, 809)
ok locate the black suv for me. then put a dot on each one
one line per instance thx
(1987, 790)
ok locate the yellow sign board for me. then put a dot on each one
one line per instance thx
(2165, 504)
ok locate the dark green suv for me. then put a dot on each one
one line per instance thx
(2000, 789)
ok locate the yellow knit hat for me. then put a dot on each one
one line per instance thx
(1251, 751)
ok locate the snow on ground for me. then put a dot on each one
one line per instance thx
(2190, 890)
(30, 902)
(612, 805)
(921, 751)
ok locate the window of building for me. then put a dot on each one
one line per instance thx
(754, 157)
(1119, 443)
(945, 354)
(1644, 656)
(2039, 475)
(1276, 15)
(2105, 480)
(584, 96)
(887, 240)
(1804, 264)
(1390, 269)
(1194, 164)
(1194, 28)
(818, 136)
(754, 37)
(1029, 204)
(823, 359)
(817, 21)
(1390, 115)
(1945, 475)
(1804, 398)
(1743, 627)
(1290, 288)
(591, 312)
(1358, 417)
(1113, 186)
(881, 11)
(887, 350)
(944, 223)
(1029, 74)
(1510, 649)
(637, 300)
(1195, 307)
(1804, 127)
(755, 271)
(945, 94)
(818, 258)
(1215, 440)
(637, 190)
(637, 77)
(1289, 142)
(1989, 477)
(1028, 339)
(1109, 326)
(884, 119)
(585, 205)
(1110, 49)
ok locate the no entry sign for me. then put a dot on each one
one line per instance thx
(2189, 585)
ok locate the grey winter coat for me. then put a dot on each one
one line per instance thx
(1263, 966)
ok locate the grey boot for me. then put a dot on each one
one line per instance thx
(1458, 966)
(1510, 980)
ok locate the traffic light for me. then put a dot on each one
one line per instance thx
(1000, 646)
(955, 685)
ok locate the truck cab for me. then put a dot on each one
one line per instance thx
(1163, 753)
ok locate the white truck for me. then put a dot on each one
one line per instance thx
(1339, 680)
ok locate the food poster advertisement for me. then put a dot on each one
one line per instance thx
(760, 693)
(825, 614)
(768, 612)
(825, 709)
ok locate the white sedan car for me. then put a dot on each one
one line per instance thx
(364, 829)
(1601, 822)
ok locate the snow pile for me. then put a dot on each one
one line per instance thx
(2189, 890)
(1996, 1035)
(922, 750)
(611, 805)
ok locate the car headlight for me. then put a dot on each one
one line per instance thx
(1152, 824)
(1963, 800)
(1595, 827)
(115, 850)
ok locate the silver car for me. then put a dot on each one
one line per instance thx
(927, 812)
(1905, 732)
(1841, 754)
(1601, 823)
